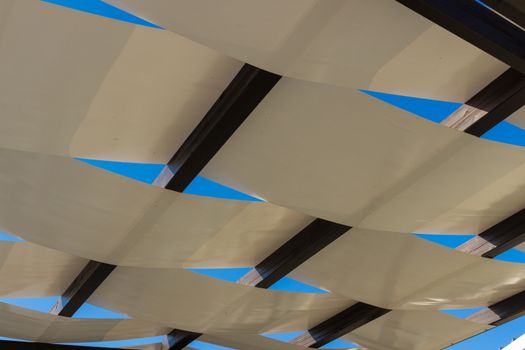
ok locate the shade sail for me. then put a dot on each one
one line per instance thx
(418, 330)
(408, 166)
(399, 271)
(316, 146)
(379, 45)
(29, 270)
(67, 89)
(20, 323)
(340, 155)
(183, 299)
(67, 205)
(128, 117)
(245, 341)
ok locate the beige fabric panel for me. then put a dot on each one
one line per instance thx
(415, 330)
(155, 94)
(249, 237)
(400, 271)
(157, 346)
(379, 45)
(52, 61)
(29, 270)
(21, 323)
(248, 342)
(79, 97)
(68, 205)
(369, 164)
(183, 299)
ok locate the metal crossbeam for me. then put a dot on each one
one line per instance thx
(502, 311)
(340, 324)
(499, 238)
(93, 274)
(494, 103)
(178, 339)
(243, 94)
(514, 10)
(293, 253)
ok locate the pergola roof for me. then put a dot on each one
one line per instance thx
(270, 98)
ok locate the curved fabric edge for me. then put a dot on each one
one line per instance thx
(369, 164)
(400, 271)
(417, 330)
(184, 300)
(248, 341)
(101, 88)
(29, 270)
(333, 42)
(67, 205)
(20, 323)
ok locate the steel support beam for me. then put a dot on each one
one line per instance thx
(340, 324)
(502, 311)
(178, 339)
(499, 238)
(293, 253)
(239, 99)
(243, 94)
(497, 101)
(514, 10)
(93, 274)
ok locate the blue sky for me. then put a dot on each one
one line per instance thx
(431, 110)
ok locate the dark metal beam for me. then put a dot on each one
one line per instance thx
(294, 252)
(178, 339)
(494, 103)
(19, 345)
(93, 274)
(509, 309)
(501, 312)
(243, 94)
(336, 326)
(478, 25)
(514, 10)
(239, 99)
(499, 238)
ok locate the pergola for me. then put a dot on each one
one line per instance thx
(268, 97)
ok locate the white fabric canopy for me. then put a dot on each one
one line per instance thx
(102, 121)
(415, 330)
(67, 205)
(185, 300)
(29, 270)
(399, 271)
(73, 84)
(342, 155)
(20, 323)
(379, 45)
(79, 84)
(248, 341)
(235, 341)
